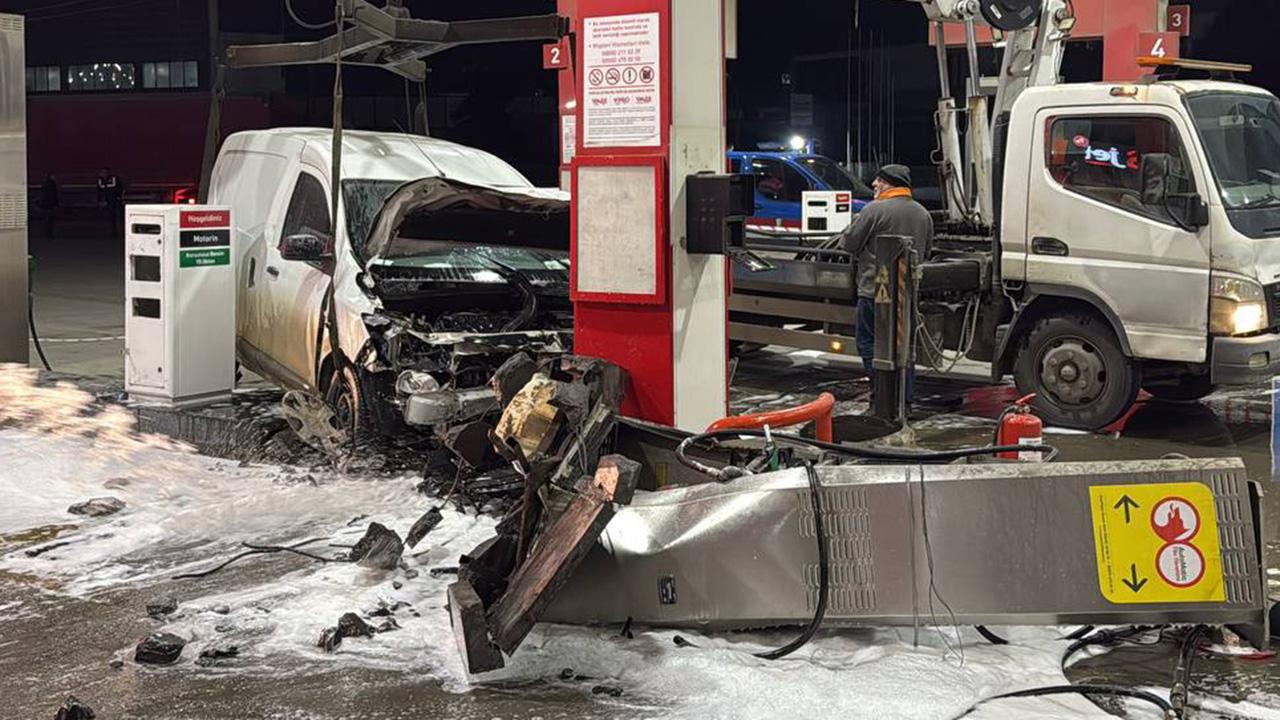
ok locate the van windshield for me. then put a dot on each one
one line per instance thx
(835, 177)
(1241, 134)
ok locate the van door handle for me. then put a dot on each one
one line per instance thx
(273, 271)
(1049, 246)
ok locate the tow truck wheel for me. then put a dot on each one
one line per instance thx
(1078, 372)
(343, 395)
(1185, 389)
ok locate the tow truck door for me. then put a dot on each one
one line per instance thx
(1090, 236)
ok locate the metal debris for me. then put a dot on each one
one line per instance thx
(313, 420)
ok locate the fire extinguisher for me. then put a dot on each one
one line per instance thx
(1019, 426)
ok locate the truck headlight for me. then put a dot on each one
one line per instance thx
(1237, 306)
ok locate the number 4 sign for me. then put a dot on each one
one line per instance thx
(1160, 45)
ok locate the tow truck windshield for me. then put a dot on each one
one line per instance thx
(1241, 134)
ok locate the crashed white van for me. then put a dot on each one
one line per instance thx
(444, 262)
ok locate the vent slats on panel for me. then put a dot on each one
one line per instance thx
(847, 522)
(13, 211)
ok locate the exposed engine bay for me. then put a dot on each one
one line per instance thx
(465, 277)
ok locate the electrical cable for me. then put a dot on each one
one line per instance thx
(257, 550)
(933, 587)
(989, 636)
(1109, 690)
(824, 572)
(35, 336)
(858, 451)
(288, 5)
(1079, 632)
(1180, 685)
(88, 10)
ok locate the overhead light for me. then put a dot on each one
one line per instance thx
(798, 143)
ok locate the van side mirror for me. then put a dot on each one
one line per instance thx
(1198, 213)
(1155, 178)
(305, 247)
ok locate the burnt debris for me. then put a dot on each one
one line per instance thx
(73, 709)
(97, 507)
(159, 649)
(351, 625)
(380, 548)
(557, 417)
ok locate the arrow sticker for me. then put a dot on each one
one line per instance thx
(1128, 504)
(1157, 543)
(1135, 584)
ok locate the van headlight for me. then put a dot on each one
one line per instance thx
(1237, 306)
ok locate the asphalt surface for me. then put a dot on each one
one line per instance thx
(79, 299)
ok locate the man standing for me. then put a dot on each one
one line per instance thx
(111, 197)
(49, 203)
(893, 212)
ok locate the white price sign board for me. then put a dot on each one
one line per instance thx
(622, 90)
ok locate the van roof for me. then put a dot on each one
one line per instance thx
(382, 155)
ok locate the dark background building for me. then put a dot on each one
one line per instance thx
(126, 83)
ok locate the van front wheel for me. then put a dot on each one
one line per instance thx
(1081, 377)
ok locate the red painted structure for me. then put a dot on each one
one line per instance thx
(152, 141)
(635, 332)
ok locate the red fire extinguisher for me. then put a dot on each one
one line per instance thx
(1019, 426)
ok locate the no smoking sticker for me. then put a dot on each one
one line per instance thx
(1157, 543)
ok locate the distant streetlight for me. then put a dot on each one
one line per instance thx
(798, 143)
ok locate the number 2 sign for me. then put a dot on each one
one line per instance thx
(555, 56)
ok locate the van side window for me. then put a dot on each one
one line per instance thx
(1101, 158)
(308, 211)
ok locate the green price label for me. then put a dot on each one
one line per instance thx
(204, 258)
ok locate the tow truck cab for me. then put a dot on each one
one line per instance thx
(1139, 243)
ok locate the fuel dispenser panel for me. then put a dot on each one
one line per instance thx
(180, 304)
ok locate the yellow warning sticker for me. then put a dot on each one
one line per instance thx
(1157, 543)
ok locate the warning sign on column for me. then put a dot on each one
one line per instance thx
(622, 96)
(1157, 543)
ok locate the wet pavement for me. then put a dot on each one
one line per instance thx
(59, 633)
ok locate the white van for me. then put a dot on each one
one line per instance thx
(444, 262)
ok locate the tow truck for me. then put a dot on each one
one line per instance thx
(1097, 239)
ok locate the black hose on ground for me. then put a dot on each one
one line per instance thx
(1109, 690)
(824, 572)
(35, 336)
(989, 636)
(824, 577)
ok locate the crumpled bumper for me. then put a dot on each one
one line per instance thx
(1245, 361)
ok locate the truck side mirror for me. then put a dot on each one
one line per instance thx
(305, 247)
(1155, 178)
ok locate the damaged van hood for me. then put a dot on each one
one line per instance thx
(448, 207)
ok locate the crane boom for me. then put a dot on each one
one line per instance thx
(1034, 33)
